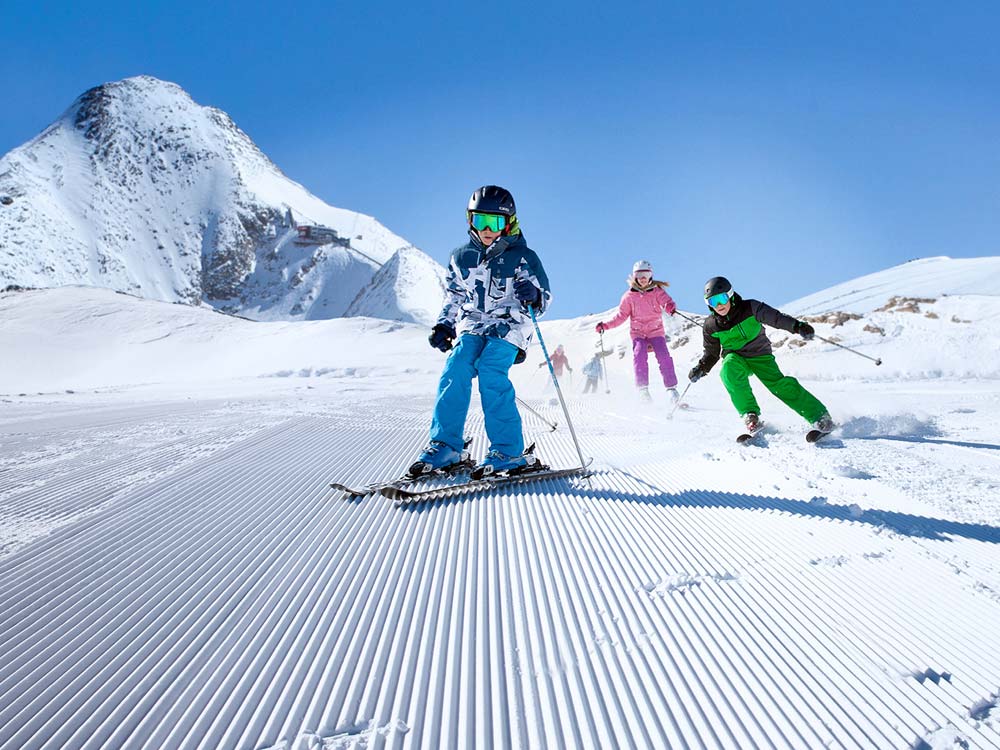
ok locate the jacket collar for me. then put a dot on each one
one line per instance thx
(500, 244)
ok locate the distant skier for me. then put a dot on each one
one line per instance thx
(559, 361)
(491, 283)
(735, 332)
(592, 371)
(644, 302)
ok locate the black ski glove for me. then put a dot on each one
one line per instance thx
(527, 293)
(441, 337)
(804, 330)
(696, 374)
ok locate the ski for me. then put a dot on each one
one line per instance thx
(403, 496)
(748, 437)
(813, 435)
(454, 470)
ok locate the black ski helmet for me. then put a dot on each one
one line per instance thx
(717, 285)
(491, 199)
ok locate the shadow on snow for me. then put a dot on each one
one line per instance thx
(907, 524)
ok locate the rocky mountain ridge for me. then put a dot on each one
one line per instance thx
(138, 188)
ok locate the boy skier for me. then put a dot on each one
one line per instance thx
(644, 302)
(735, 332)
(491, 283)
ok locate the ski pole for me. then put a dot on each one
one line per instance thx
(679, 401)
(876, 360)
(852, 351)
(689, 319)
(604, 365)
(523, 403)
(555, 381)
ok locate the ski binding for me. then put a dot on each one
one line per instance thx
(532, 473)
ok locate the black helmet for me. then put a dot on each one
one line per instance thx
(491, 199)
(717, 285)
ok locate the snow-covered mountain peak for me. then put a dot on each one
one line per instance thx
(163, 118)
(138, 188)
(409, 287)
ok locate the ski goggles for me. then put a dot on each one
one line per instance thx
(719, 299)
(493, 222)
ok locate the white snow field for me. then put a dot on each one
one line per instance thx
(176, 572)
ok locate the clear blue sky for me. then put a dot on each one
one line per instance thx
(787, 145)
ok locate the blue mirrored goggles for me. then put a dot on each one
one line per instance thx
(719, 299)
(493, 222)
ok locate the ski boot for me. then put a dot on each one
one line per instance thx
(497, 462)
(821, 428)
(753, 424)
(824, 424)
(437, 457)
(644, 394)
(674, 395)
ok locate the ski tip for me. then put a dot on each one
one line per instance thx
(815, 435)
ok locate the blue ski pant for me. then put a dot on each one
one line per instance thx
(490, 359)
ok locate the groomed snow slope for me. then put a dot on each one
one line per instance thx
(175, 571)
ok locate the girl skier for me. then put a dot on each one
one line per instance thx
(734, 331)
(645, 302)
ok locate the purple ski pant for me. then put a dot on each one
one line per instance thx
(640, 360)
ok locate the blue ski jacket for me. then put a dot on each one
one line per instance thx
(479, 289)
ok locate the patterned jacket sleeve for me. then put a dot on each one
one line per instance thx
(532, 266)
(771, 317)
(456, 294)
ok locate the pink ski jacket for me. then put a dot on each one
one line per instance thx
(646, 309)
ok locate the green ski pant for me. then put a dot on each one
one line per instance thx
(736, 372)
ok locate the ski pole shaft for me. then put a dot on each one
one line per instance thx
(876, 360)
(604, 365)
(523, 403)
(689, 318)
(555, 382)
(679, 401)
